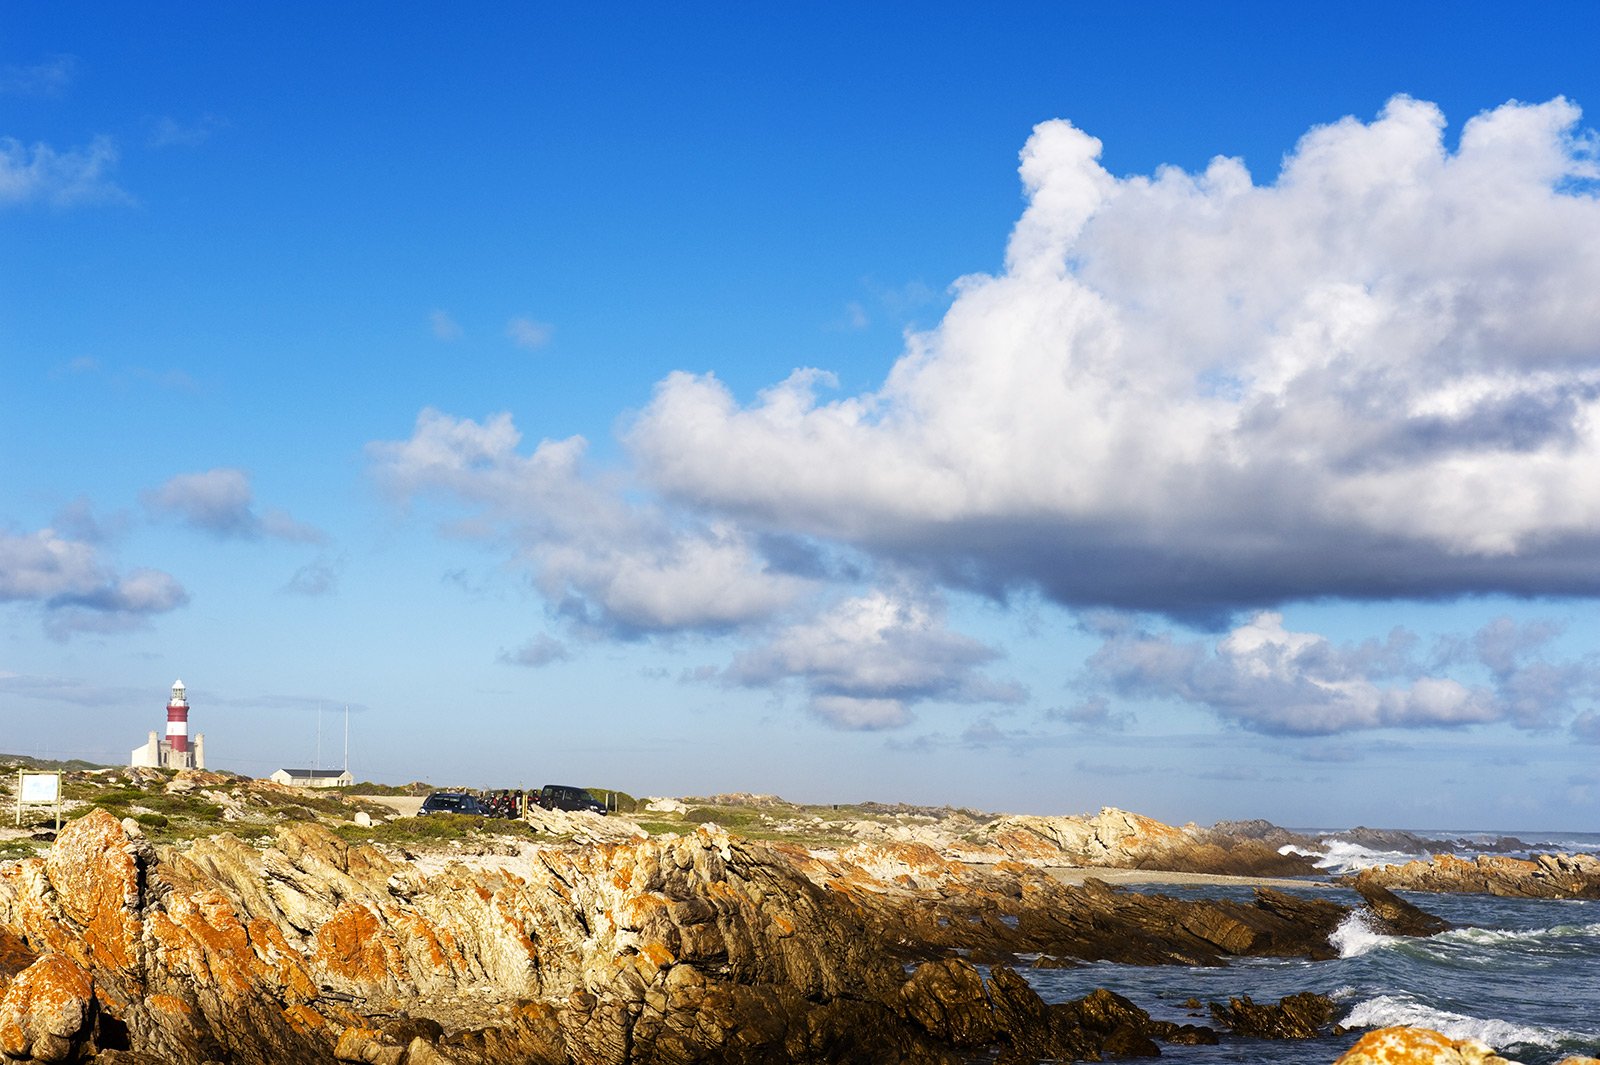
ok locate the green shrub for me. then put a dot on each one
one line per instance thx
(726, 816)
(152, 820)
(620, 801)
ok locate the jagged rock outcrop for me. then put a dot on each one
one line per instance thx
(45, 1013)
(951, 1001)
(1547, 876)
(1117, 839)
(1391, 915)
(1013, 909)
(666, 951)
(1303, 1016)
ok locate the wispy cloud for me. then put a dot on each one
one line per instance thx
(51, 77)
(314, 579)
(610, 566)
(529, 333)
(1094, 712)
(221, 502)
(868, 659)
(541, 650)
(168, 132)
(70, 178)
(444, 326)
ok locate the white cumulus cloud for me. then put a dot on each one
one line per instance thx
(867, 659)
(609, 564)
(75, 589)
(1376, 375)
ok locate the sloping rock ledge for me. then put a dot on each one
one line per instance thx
(666, 950)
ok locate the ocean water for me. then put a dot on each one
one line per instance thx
(1522, 975)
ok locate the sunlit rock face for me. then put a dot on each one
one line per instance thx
(1417, 1046)
(1547, 876)
(675, 949)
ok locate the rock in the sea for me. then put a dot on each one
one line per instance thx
(1417, 1046)
(1548, 876)
(948, 999)
(1393, 916)
(1303, 1016)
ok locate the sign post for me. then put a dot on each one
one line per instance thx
(39, 789)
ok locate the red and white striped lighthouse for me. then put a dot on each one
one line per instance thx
(178, 719)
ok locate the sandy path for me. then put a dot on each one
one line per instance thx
(1077, 875)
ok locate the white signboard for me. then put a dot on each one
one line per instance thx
(40, 787)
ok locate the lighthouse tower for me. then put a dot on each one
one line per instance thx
(174, 752)
(178, 720)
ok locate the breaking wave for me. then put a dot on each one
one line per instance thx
(1386, 1010)
(1355, 936)
(1339, 857)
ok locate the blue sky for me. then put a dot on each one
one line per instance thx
(1194, 412)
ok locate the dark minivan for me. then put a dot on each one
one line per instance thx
(567, 797)
(452, 802)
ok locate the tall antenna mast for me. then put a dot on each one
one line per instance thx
(316, 763)
(347, 737)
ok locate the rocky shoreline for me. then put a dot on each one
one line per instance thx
(590, 941)
(704, 947)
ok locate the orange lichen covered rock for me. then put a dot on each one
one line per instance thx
(1417, 1046)
(46, 1010)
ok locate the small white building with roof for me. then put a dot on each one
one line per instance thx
(313, 778)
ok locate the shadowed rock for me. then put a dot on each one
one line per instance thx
(1394, 916)
(1302, 1016)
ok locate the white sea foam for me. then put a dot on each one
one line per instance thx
(1339, 857)
(1387, 1010)
(1489, 937)
(1355, 936)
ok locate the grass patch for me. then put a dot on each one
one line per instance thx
(661, 828)
(12, 849)
(729, 817)
(436, 828)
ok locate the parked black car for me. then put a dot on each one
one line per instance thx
(567, 797)
(452, 802)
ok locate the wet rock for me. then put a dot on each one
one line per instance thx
(1302, 1016)
(1394, 916)
(947, 998)
(1102, 1024)
(1386, 839)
